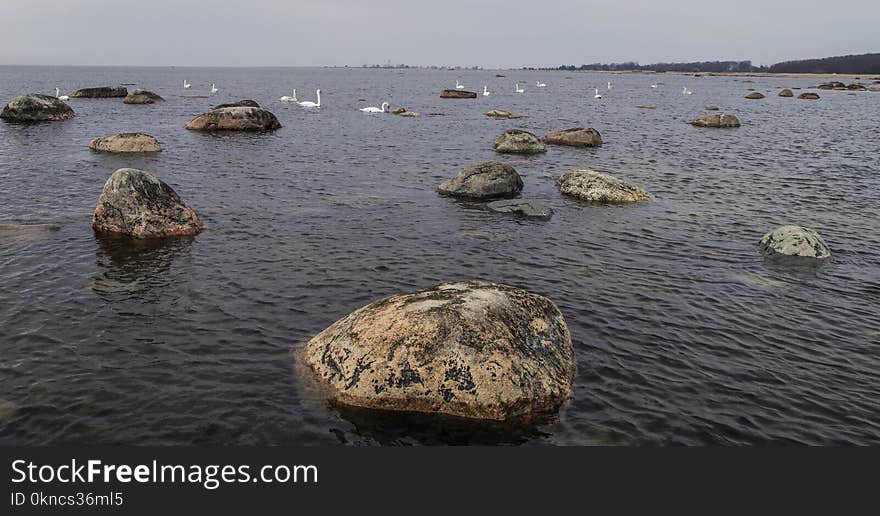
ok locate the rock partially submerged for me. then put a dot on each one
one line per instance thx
(412, 114)
(577, 137)
(138, 204)
(647, 106)
(235, 119)
(398, 111)
(809, 96)
(470, 349)
(755, 95)
(500, 113)
(589, 185)
(142, 97)
(794, 241)
(36, 108)
(833, 85)
(240, 103)
(786, 93)
(712, 108)
(521, 207)
(457, 94)
(8, 410)
(101, 92)
(722, 121)
(515, 141)
(29, 227)
(484, 181)
(126, 142)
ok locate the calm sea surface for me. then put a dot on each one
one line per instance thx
(682, 333)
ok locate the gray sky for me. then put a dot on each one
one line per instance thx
(490, 33)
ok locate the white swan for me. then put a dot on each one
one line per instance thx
(186, 85)
(540, 84)
(686, 91)
(214, 88)
(373, 109)
(610, 87)
(654, 86)
(519, 90)
(486, 91)
(288, 98)
(60, 96)
(307, 103)
(458, 86)
(597, 96)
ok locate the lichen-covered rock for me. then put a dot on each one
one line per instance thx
(515, 141)
(235, 119)
(484, 181)
(577, 137)
(786, 93)
(809, 96)
(500, 113)
(142, 97)
(138, 204)
(721, 121)
(589, 185)
(101, 92)
(457, 94)
(755, 95)
(126, 142)
(470, 349)
(240, 103)
(794, 241)
(521, 207)
(36, 108)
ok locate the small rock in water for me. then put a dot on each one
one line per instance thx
(648, 106)
(589, 185)
(138, 204)
(786, 93)
(469, 349)
(499, 113)
(484, 181)
(126, 142)
(809, 96)
(235, 119)
(457, 94)
(515, 141)
(522, 207)
(398, 111)
(101, 92)
(577, 137)
(36, 108)
(755, 95)
(8, 410)
(722, 121)
(240, 103)
(142, 97)
(411, 114)
(794, 241)
(712, 108)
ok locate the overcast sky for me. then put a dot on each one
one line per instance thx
(490, 33)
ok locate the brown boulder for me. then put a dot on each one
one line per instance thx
(786, 93)
(577, 137)
(457, 94)
(808, 96)
(235, 119)
(36, 108)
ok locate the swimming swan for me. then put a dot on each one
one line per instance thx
(486, 91)
(686, 91)
(60, 96)
(214, 88)
(288, 98)
(307, 103)
(610, 87)
(519, 90)
(373, 109)
(458, 86)
(186, 85)
(597, 96)
(540, 84)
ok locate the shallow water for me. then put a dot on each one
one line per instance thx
(682, 333)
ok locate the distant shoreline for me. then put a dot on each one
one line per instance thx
(868, 76)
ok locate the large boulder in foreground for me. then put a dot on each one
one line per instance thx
(240, 103)
(522, 208)
(457, 94)
(484, 181)
(101, 92)
(138, 204)
(721, 121)
(36, 108)
(126, 142)
(235, 119)
(142, 97)
(470, 349)
(589, 185)
(515, 141)
(577, 137)
(793, 241)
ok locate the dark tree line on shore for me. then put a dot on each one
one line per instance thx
(865, 63)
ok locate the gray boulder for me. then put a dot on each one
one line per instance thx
(794, 241)
(101, 92)
(786, 93)
(457, 94)
(126, 142)
(589, 185)
(138, 204)
(470, 349)
(500, 113)
(521, 207)
(484, 181)
(577, 137)
(515, 141)
(240, 103)
(36, 108)
(755, 95)
(142, 97)
(235, 119)
(721, 121)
